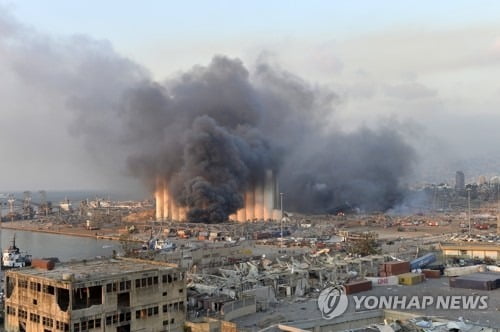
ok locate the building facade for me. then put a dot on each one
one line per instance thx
(119, 295)
(459, 181)
(471, 250)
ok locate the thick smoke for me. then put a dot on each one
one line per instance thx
(222, 127)
(214, 130)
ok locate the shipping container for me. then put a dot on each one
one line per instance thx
(423, 261)
(439, 267)
(410, 278)
(478, 280)
(358, 286)
(431, 274)
(384, 281)
(395, 268)
(45, 264)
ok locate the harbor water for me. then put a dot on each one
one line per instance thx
(64, 247)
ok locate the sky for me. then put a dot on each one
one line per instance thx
(429, 68)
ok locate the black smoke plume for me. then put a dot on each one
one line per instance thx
(212, 131)
(222, 127)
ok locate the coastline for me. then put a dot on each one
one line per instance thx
(29, 226)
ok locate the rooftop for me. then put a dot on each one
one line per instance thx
(94, 269)
(470, 245)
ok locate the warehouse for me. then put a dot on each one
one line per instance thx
(471, 250)
(113, 295)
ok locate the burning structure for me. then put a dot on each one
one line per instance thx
(260, 202)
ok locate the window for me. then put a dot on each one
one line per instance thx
(34, 318)
(125, 285)
(97, 323)
(47, 289)
(76, 327)
(22, 283)
(46, 321)
(125, 316)
(166, 278)
(11, 311)
(22, 314)
(62, 326)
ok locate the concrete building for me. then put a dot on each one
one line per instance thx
(471, 250)
(261, 202)
(104, 295)
(459, 181)
(211, 325)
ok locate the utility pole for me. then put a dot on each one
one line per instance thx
(282, 215)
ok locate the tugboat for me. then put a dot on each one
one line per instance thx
(12, 257)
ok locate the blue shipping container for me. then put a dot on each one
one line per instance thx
(423, 261)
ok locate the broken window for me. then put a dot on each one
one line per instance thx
(47, 289)
(124, 328)
(63, 298)
(11, 284)
(123, 300)
(86, 297)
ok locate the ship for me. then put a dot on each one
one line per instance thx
(162, 245)
(12, 257)
(158, 245)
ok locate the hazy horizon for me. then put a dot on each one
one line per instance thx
(427, 69)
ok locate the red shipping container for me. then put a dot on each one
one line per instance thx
(43, 264)
(432, 274)
(358, 286)
(395, 268)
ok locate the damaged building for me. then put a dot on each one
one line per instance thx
(104, 295)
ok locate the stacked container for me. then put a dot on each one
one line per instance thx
(393, 268)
